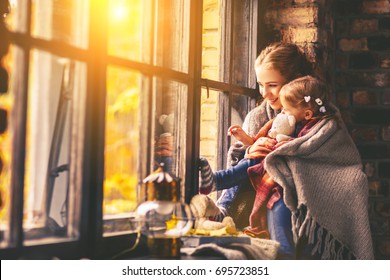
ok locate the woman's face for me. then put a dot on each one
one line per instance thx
(270, 82)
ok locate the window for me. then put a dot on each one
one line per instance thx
(228, 85)
(103, 92)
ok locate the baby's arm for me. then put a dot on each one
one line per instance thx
(240, 134)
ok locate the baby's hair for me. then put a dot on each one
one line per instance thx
(287, 58)
(308, 92)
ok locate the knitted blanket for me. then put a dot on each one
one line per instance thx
(325, 188)
(267, 191)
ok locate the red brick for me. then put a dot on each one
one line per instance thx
(300, 35)
(363, 97)
(353, 44)
(364, 134)
(385, 62)
(305, 16)
(376, 7)
(360, 26)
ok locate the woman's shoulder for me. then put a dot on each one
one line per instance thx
(262, 111)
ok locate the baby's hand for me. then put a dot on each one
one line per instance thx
(235, 130)
(240, 134)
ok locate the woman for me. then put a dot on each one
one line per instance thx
(277, 65)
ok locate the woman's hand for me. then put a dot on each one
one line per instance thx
(262, 147)
(240, 134)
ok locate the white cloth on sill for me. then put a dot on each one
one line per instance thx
(258, 249)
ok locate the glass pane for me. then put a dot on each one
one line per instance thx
(172, 34)
(170, 128)
(209, 129)
(17, 19)
(211, 40)
(56, 101)
(244, 47)
(214, 123)
(129, 29)
(121, 144)
(240, 105)
(225, 22)
(65, 20)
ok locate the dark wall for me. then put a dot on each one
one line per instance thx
(350, 42)
(362, 86)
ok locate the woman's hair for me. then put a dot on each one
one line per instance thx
(286, 58)
(308, 92)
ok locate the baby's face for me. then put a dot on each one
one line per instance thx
(289, 109)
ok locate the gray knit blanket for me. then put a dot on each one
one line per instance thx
(325, 188)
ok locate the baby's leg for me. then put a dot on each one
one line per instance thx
(223, 179)
(235, 175)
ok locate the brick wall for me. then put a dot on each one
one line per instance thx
(350, 41)
(307, 23)
(362, 86)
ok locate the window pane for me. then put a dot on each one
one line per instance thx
(121, 144)
(244, 45)
(211, 40)
(65, 20)
(170, 128)
(17, 19)
(129, 29)
(56, 101)
(172, 34)
(229, 41)
(209, 127)
(240, 106)
(214, 122)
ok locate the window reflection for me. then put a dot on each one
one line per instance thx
(129, 29)
(172, 34)
(170, 101)
(121, 141)
(55, 103)
(64, 20)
